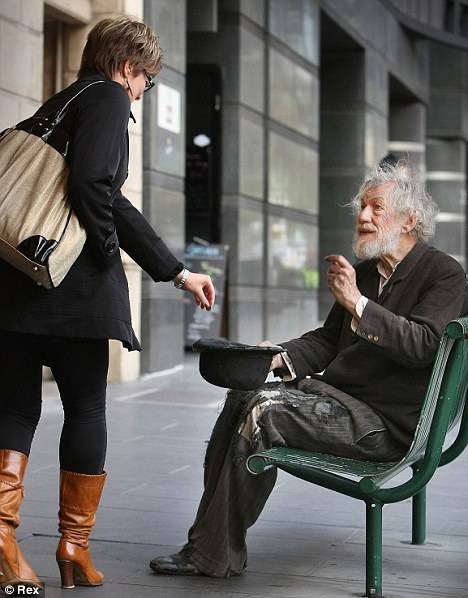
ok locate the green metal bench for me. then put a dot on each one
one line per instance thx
(444, 406)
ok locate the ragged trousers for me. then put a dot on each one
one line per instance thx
(273, 415)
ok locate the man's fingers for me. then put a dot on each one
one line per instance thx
(338, 259)
(277, 362)
(334, 268)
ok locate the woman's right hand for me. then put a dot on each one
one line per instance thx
(202, 289)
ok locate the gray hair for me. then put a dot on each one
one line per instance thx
(408, 195)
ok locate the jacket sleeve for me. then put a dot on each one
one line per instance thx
(314, 350)
(412, 341)
(98, 139)
(141, 242)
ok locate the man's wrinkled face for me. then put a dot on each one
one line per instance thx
(378, 225)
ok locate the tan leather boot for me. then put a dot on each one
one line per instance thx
(79, 500)
(14, 569)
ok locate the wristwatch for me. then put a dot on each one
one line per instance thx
(179, 284)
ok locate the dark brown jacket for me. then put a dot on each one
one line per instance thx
(388, 361)
(92, 301)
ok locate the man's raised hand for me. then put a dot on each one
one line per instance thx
(341, 280)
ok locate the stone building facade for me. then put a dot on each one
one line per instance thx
(293, 101)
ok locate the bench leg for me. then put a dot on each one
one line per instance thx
(419, 517)
(373, 549)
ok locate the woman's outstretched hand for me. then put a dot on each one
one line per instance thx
(202, 289)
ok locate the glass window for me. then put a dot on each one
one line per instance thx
(293, 174)
(296, 23)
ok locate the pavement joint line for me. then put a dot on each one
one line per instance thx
(163, 373)
(169, 403)
(415, 547)
(163, 584)
(108, 541)
(141, 393)
(134, 438)
(169, 426)
(139, 487)
(183, 468)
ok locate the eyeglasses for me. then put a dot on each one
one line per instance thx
(149, 82)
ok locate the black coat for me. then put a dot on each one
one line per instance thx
(93, 300)
(387, 363)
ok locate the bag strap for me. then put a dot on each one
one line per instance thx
(61, 113)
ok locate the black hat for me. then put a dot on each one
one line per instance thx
(234, 365)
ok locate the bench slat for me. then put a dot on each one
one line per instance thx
(279, 456)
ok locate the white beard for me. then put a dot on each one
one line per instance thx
(384, 244)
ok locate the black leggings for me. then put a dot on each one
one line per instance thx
(80, 369)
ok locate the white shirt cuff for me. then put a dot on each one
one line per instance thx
(291, 375)
(360, 307)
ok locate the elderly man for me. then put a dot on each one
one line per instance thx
(376, 351)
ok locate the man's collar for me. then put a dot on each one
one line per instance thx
(385, 269)
(409, 261)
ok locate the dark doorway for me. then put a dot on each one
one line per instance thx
(203, 157)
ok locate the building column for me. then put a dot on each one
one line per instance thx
(237, 47)
(21, 66)
(353, 138)
(407, 132)
(446, 182)
(162, 316)
(447, 125)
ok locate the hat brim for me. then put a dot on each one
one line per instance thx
(234, 365)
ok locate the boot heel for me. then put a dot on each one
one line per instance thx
(66, 574)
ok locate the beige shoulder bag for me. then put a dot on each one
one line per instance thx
(39, 232)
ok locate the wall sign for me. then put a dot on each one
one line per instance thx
(168, 108)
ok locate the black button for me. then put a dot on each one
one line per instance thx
(110, 229)
(111, 247)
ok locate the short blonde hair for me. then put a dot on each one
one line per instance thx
(113, 41)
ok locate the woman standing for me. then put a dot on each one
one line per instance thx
(67, 328)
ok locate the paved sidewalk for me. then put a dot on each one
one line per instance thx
(308, 542)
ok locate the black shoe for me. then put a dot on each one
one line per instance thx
(174, 564)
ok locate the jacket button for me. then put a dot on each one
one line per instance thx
(369, 336)
(376, 339)
(111, 247)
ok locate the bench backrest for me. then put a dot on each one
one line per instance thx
(444, 401)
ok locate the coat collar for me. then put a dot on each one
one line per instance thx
(95, 75)
(406, 265)
(369, 283)
(409, 261)
(92, 75)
